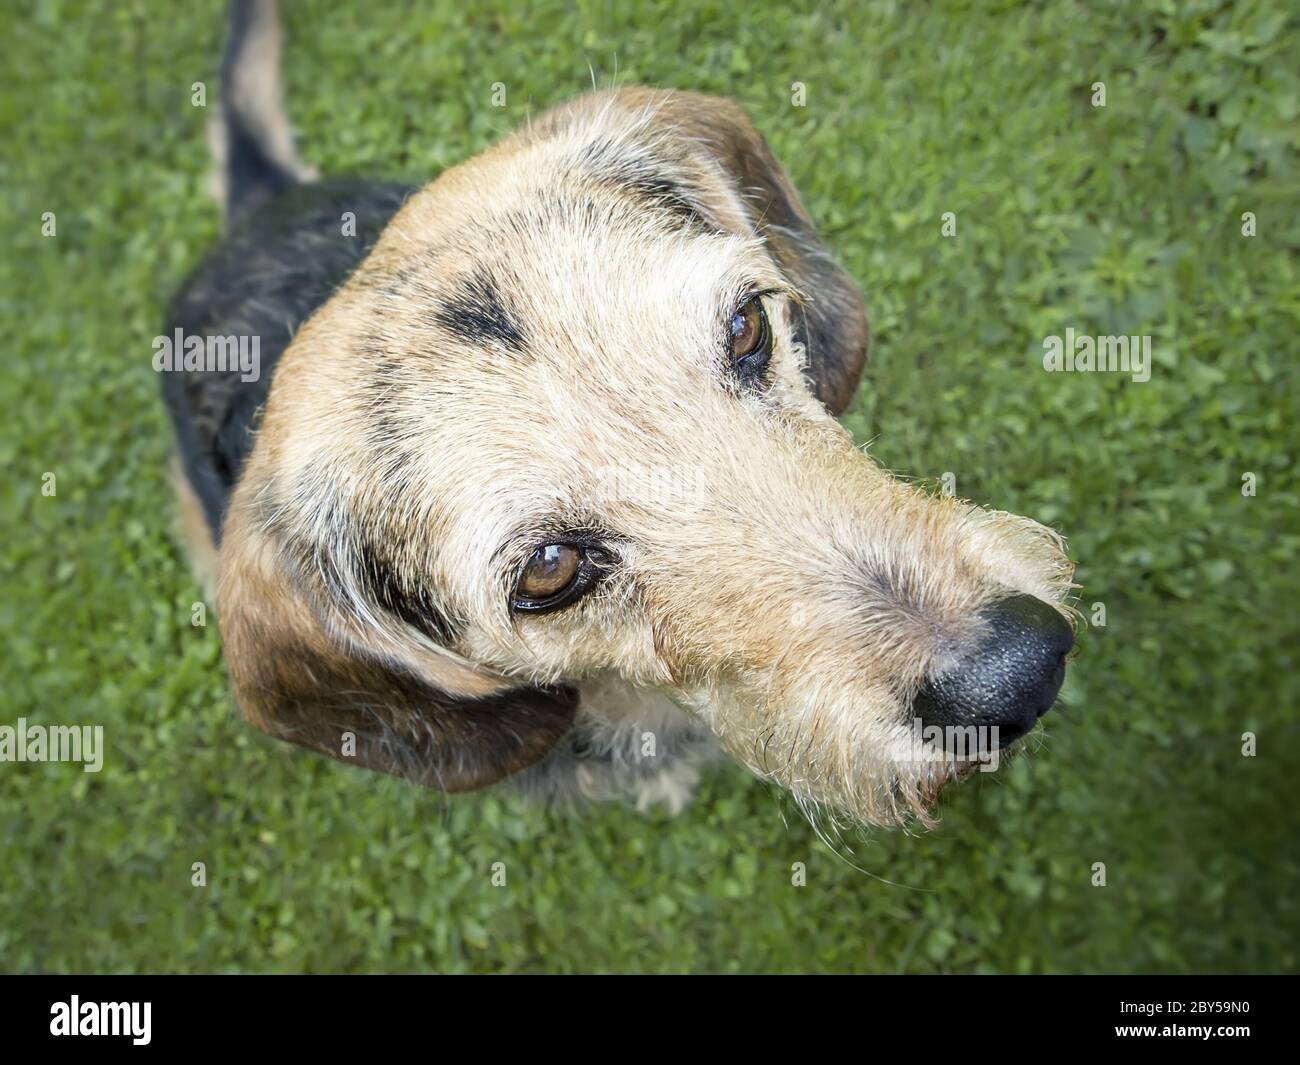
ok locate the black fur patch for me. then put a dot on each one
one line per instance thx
(667, 195)
(607, 162)
(351, 558)
(408, 600)
(277, 265)
(253, 176)
(476, 312)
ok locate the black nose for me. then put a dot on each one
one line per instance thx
(1009, 678)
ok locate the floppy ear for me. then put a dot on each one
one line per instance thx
(313, 665)
(834, 327)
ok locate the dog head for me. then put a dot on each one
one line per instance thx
(574, 416)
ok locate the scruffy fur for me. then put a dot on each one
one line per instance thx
(533, 345)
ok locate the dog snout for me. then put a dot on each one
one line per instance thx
(1008, 678)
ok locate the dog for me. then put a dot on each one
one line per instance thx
(541, 477)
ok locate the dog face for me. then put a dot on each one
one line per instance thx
(573, 418)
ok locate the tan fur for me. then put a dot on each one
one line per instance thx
(257, 94)
(791, 593)
(194, 532)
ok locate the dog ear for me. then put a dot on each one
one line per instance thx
(833, 329)
(356, 681)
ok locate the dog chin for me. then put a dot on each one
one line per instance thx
(903, 790)
(931, 788)
(927, 787)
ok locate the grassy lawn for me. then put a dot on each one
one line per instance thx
(1122, 219)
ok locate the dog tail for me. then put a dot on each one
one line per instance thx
(251, 139)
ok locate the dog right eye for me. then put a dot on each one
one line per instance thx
(554, 576)
(750, 341)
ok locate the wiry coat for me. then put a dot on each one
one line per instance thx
(533, 347)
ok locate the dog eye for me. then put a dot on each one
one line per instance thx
(554, 576)
(551, 570)
(751, 339)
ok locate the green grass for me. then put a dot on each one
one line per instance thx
(1124, 219)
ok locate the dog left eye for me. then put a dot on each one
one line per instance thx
(554, 576)
(750, 340)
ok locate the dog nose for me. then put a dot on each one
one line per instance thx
(1009, 679)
